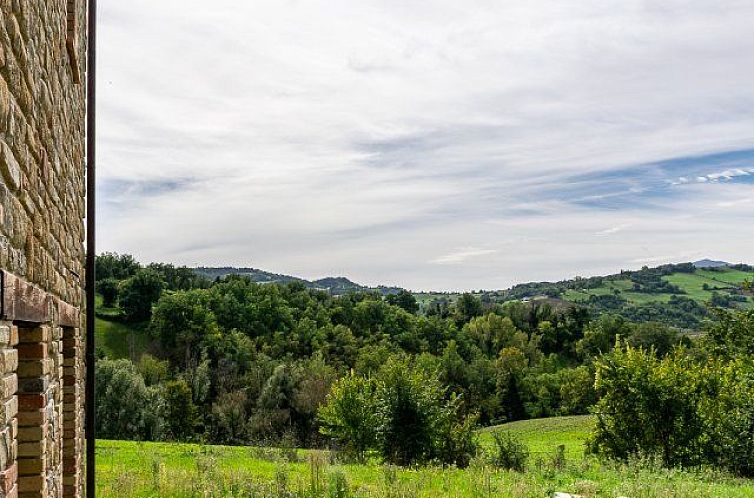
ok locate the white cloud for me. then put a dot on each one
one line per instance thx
(339, 137)
(613, 230)
(462, 255)
(729, 174)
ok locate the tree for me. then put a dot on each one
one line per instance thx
(404, 299)
(412, 412)
(600, 335)
(349, 415)
(732, 334)
(467, 307)
(183, 324)
(179, 414)
(121, 400)
(139, 293)
(651, 406)
(657, 336)
(108, 289)
(114, 265)
(229, 419)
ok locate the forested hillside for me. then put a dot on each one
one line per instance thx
(232, 361)
(678, 294)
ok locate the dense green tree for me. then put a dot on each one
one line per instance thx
(659, 337)
(732, 334)
(650, 406)
(139, 293)
(349, 416)
(404, 299)
(180, 277)
(122, 400)
(114, 265)
(600, 335)
(179, 413)
(183, 324)
(467, 307)
(108, 289)
(411, 412)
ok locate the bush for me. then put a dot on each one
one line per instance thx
(508, 452)
(179, 414)
(731, 417)
(349, 417)
(108, 288)
(458, 443)
(402, 413)
(650, 406)
(411, 412)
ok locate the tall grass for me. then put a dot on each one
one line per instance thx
(188, 471)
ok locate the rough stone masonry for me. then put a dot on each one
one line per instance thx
(42, 183)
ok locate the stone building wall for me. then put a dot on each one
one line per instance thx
(42, 202)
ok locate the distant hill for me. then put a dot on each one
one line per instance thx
(677, 294)
(256, 275)
(334, 285)
(708, 263)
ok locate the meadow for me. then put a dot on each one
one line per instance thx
(132, 469)
(698, 286)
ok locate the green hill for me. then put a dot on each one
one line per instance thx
(544, 435)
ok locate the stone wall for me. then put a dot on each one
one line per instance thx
(42, 189)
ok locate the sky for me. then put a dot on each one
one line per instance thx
(437, 145)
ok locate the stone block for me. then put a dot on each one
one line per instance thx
(31, 401)
(32, 351)
(32, 418)
(9, 167)
(8, 410)
(31, 434)
(8, 478)
(32, 466)
(8, 385)
(8, 360)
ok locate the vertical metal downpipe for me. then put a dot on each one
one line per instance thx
(91, 248)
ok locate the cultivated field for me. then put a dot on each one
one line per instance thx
(131, 469)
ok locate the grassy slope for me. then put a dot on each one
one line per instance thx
(130, 469)
(692, 284)
(543, 436)
(117, 339)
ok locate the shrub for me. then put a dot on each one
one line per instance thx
(458, 444)
(348, 416)
(650, 406)
(411, 413)
(508, 452)
(108, 288)
(731, 415)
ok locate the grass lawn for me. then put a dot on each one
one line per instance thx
(543, 436)
(130, 469)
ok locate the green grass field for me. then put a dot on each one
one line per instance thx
(691, 283)
(543, 436)
(130, 469)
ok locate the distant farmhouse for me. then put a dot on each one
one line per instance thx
(42, 183)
